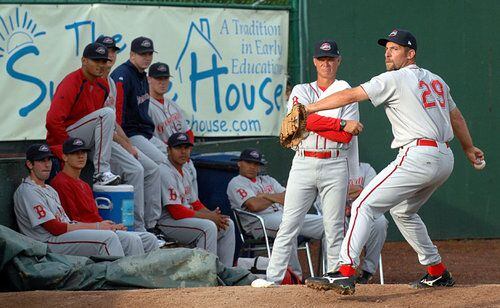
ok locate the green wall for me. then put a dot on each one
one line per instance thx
(459, 40)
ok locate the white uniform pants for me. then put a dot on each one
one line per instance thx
(144, 175)
(96, 130)
(87, 243)
(308, 177)
(402, 187)
(204, 234)
(137, 243)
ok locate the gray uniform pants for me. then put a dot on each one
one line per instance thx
(87, 243)
(204, 234)
(137, 243)
(308, 177)
(311, 228)
(96, 130)
(144, 175)
(402, 187)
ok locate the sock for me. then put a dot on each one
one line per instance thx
(347, 270)
(436, 270)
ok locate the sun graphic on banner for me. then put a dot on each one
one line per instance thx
(17, 31)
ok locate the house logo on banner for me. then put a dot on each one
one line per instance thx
(202, 65)
(18, 36)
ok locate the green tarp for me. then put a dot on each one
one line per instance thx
(26, 264)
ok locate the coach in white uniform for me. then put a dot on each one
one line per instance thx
(424, 117)
(264, 196)
(185, 218)
(40, 215)
(319, 166)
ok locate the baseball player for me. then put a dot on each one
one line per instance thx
(264, 196)
(185, 218)
(320, 164)
(77, 111)
(424, 117)
(40, 215)
(135, 168)
(79, 204)
(166, 115)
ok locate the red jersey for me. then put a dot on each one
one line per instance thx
(76, 198)
(75, 97)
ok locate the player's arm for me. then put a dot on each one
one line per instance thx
(339, 99)
(257, 204)
(121, 138)
(462, 133)
(274, 198)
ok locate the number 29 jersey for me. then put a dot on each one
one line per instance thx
(417, 103)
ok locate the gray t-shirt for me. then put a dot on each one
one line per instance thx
(417, 103)
(35, 205)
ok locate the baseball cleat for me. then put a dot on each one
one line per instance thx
(107, 178)
(333, 281)
(428, 281)
(364, 278)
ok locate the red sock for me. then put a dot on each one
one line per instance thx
(347, 270)
(436, 270)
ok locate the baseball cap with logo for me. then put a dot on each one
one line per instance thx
(326, 48)
(159, 69)
(72, 145)
(38, 151)
(178, 139)
(142, 45)
(252, 155)
(96, 51)
(107, 41)
(400, 37)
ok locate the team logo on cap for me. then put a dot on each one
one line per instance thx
(182, 137)
(409, 43)
(108, 40)
(77, 142)
(101, 50)
(146, 43)
(393, 33)
(43, 148)
(162, 68)
(325, 47)
(254, 154)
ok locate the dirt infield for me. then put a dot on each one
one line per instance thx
(474, 264)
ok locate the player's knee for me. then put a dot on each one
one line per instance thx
(210, 227)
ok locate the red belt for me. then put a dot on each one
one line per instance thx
(321, 155)
(429, 143)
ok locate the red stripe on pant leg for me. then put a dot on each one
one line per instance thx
(93, 119)
(361, 203)
(100, 148)
(81, 242)
(190, 228)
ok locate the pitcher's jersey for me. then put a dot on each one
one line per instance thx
(168, 118)
(416, 101)
(35, 205)
(309, 93)
(241, 188)
(178, 187)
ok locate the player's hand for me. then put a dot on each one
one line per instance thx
(353, 127)
(354, 191)
(106, 225)
(120, 227)
(474, 155)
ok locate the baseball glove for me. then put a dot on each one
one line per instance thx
(293, 127)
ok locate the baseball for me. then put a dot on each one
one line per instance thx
(480, 165)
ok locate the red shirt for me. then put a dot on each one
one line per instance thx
(75, 98)
(76, 198)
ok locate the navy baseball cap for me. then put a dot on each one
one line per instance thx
(400, 37)
(38, 151)
(252, 155)
(142, 45)
(107, 41)
(159, 69)
(326, 48)
(96, 51)
(72, 145)
(178, 139)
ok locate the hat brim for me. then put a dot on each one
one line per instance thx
(160, 75)
(143, 51)
(41, 156)
(77, 149)
(261, 162)
(384, 41)
(325, 55)
(182, 143)
(99, 58)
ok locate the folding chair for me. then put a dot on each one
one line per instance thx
(251, 244)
